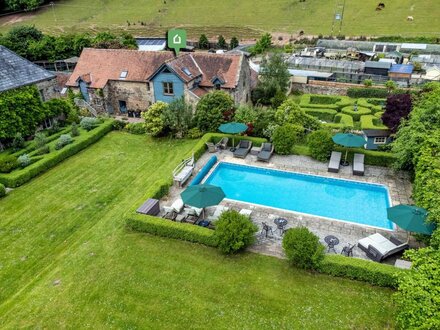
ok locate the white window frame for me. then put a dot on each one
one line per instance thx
(168, 88)
(380, 138)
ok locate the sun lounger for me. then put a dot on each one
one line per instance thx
(192, 214)
(378, 247)
(219, 209)
(358, 164)
(172, 211)
(243, 148)
(335, 161)
(223, 143)
(211, 147)
(265, 152)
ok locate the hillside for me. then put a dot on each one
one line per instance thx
(246, 18)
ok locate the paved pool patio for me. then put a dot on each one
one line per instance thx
(398, 184)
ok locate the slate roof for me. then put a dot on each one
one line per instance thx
(98, 66)
(15, 71)
(377, 65)
(377, 132)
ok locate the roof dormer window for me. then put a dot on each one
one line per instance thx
(123, 74)
(187, 72)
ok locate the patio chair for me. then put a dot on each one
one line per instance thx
(223, 143)
(358, 164)
(219, 209)
(172, 211)
(378, 247)
(335, 162)
(192, 214)
(348, 250)
(243, 148)
(211, 147)
(265, 152)
(265, 230)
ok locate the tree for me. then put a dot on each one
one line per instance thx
(368, 82)
(178, 116)
(213, 110)
(285, 137)
(290, 112)
(397, 108)
(19, 38)
(262, 44)
(234, 232)
(274, 80)
(203, 42)
(234, 43)
(27, 5)
(221, 43)
(21, 111)
(390, 85)
(154, 124)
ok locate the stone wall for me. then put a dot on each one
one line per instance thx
(48, 89)
(138, 96)
(242, 93)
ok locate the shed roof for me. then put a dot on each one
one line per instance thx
(377, 65)
(377, 132)
(15, 71)
(402, 68)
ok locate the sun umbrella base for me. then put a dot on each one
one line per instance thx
(344, 163)
(232, 149)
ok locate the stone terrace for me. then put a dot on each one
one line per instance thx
(397, 183)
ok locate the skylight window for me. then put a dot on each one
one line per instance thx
(123, 74)
(187, 72)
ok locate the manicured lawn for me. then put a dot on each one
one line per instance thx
(246, 18)
(67, 225)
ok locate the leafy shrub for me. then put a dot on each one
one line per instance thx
(320, 144)
(350, 110)
(290, 112)
(367, 92)
(246, 114)
(284, 137)
(323, 99)
(234, 232)
(119, 125)
(40, 140)
(397, 108)
(170, 229)
(24, 160)
(18, 141)
(136, 128)
(368, 82)
(361, 270)
(64, 140)
(2, 190)
(89, 123)
(8, 163)
(154, 124)
(303, 248)
(212, 110)
(45, 149)
(74, 131)
(194, 133)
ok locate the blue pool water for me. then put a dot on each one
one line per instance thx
(352, 201)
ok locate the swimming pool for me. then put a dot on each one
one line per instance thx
(353, 201)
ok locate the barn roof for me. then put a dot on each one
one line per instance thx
(15, 71)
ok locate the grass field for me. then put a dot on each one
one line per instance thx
(230, 17)
(67, 226)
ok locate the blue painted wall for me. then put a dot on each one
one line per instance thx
(178, 87)
(372, 146)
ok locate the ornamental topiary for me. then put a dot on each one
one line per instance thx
(291, 113)
(284, 137)
(234, 232)
(89, 123)
(64, 140)
(154, 123)
(303, 248)
(24, 160)
(320, 144)
(2, 190)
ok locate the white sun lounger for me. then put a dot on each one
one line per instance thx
(335, 162)
(378, 247)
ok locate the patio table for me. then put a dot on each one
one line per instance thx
(281, 224)
(331, 241)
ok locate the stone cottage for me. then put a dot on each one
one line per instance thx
(16, 72)
(126, 82)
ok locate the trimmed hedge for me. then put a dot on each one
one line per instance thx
(367, 92)
(371, 122)
(170, 229)
(19, 177)
(2, 190)
(345, 102)
(356, 114)
(372, 157)
(305, 103)
(373, 107)
(361, 270)
(327, 115)
(323, 99)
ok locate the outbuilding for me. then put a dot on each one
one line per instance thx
(376, 138)
(377, 68)
(402, 71)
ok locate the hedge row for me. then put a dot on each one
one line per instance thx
(327, 115)
(344, 102)
(366, 104)
(305, 102)
(19, 177)
(361, 270)
(371, 122)
(356, 114)
(323, 99)
(170, 229)
(367, 92)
